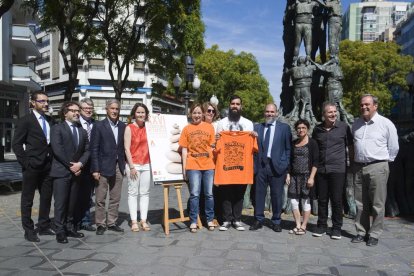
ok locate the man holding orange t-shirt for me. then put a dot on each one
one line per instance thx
(233, 193)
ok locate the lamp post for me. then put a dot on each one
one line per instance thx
(190, 77)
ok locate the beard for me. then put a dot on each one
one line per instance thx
(270, 120)
(234, 115)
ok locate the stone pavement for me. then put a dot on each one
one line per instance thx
(205, 253)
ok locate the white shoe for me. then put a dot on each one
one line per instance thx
(239, 226)
(225, 226)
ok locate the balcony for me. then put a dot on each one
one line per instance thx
(23, 37)
(24, 75)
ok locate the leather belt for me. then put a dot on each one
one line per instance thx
(363, 164)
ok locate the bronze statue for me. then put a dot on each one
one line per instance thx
(334, 76)
(304, 10)
(302, 79)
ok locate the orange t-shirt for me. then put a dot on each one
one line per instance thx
(139, 145)
(234, 164)
(198, 140)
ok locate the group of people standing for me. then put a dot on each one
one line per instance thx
(79, 156)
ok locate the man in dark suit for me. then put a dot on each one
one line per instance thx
(271, 165)
(70, 147)
(108, 166)
(87, 188)
(31, 146)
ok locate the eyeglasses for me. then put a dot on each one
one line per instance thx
(87, 108)
(74, 110)
(42, 101)
(211, 111)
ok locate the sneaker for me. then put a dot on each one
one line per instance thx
(319, 232)
(225, 226)
(336, 234)
(239, 226)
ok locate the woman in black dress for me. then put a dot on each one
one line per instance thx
(301, 176)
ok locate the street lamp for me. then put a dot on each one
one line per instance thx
(190, 77)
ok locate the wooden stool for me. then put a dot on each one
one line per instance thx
(182, 218)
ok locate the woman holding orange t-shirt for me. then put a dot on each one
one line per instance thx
(196, 142)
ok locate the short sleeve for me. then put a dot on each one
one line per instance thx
(183, 142)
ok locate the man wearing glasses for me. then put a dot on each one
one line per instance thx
(70, 147)
(31, 146)
(86, 190)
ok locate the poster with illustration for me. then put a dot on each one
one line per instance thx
(163, 133)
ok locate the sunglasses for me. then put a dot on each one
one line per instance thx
(211, 111)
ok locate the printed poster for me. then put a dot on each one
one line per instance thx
(163, 133)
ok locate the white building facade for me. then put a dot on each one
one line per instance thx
(18, 51)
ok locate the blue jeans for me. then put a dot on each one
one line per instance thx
(195, 178)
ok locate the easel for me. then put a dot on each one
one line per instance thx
(177, 186)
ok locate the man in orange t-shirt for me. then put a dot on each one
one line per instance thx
(232, 195)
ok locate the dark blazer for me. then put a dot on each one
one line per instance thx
(281, 147)
(64, 150)
(37, 155)
(105, 153)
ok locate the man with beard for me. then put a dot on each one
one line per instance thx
(270, 166)
(70, 147)
(232, 195)
(376, 144)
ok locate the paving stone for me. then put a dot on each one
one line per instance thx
(178, 260)
(246, 245)
(18, 261)
(70, 254)
(87, 267)
(243, 255)
(209, 252)
(205, 263)
(16, 250)
(199, 273)
(213, 244)
(160, 270)
(278, 268)
(237, 272)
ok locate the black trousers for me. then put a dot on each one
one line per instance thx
(232, 201)
(330, 186)
(32, 180)
(86, 188)
(65, 192)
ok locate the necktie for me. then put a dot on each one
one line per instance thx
(44, 128)
(266, 141)
(75, 136)
(89, 129)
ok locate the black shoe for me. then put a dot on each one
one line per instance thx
(47, 232)
(372, 241)
(276, 228)
(74, 234)
(256, 226)
(88, 227)
(336, 234)
(115, 228)
(31, 236)
(61, 238)
(358, 239)
(100, 230)
(319, 231)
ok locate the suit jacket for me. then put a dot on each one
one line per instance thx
(281, 147)
(105, 153)
(37, 154)
(65, 151)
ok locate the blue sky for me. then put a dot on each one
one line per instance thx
(251, 26)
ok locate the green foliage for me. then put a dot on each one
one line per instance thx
(375, 68)
(226, 73)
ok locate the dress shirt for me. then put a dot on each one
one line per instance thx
(114, 127)
(40, 120)
(375, 140)
(332, 145)
(272, 128)
(71, 129)
(85, 123)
